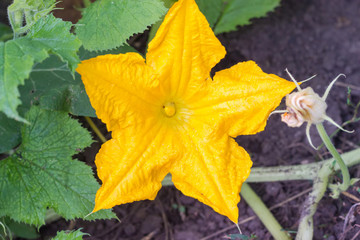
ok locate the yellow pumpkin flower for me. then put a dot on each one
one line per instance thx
(168, 116)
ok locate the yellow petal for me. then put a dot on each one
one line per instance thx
(213, 171)
(120, 88)
(239, 99)
(132, 165)
(184, 49)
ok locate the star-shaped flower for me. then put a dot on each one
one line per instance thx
(168, 116)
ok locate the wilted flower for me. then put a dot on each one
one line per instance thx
(307, 106)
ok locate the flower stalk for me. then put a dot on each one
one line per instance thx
(307, 106)
(344, 169)
(263, 212)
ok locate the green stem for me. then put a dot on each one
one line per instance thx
(306, 225)
(95, 129)
(301, 172)
(344, 169)
(264, 214)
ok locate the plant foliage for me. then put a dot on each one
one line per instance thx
(18, 56)
(51, 86)
(107, 24)
(211, 9)
(23, 14)
(41, 173)
(73, 235)
(239, 12)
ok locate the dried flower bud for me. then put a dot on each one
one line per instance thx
(304, 105)
(292, 119)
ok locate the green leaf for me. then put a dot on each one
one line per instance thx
(21, 229)
(211, 9)
(16, 62)
(9, 133)
(237, 236)
(66, 235)
(239, 12)
(41, 173)
(71, 98)
(5, 32)
(18, 56)
(107, 24)
(52, 87)
(54, 35)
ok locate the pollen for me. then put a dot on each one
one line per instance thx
(169, 109)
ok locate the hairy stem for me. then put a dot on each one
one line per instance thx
(306, 226)
(264, 214)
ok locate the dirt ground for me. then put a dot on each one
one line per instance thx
(308, 37)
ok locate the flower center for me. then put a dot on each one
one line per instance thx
(169, 109)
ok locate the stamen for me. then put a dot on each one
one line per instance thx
(336, 125)
(293, 79)
(330, 86)
(169, 109)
